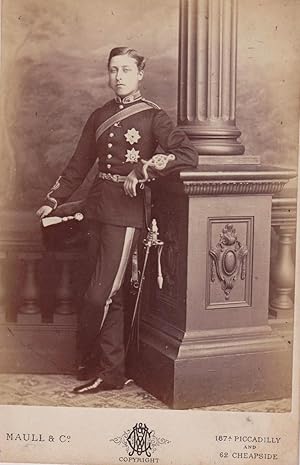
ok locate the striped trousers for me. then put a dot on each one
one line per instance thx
(101, 318)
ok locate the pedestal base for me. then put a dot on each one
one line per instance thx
(214, 369)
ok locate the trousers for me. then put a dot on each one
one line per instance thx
(101, 316)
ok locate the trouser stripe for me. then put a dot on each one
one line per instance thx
(129, 235)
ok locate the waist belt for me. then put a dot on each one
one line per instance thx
(147, 190)
(112, 177)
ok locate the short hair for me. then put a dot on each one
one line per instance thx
(140, 60)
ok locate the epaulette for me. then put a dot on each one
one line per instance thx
(152, 104)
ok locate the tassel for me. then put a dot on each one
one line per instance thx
(51, 220)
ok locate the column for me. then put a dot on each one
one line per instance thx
(207, 75)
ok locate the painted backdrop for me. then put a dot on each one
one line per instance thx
(54, 74)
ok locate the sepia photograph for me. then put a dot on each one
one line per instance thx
(148, 232)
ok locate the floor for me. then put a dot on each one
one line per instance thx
(55, 390)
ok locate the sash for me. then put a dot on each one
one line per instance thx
(123, 114)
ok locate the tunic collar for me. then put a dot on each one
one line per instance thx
(130, 98)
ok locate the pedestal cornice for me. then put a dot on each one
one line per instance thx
(234, 180)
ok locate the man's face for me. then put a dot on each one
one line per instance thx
(124, 76)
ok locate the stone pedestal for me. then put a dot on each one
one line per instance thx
(205, 338)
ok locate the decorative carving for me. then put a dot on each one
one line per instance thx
(233, 187)
(228, 259)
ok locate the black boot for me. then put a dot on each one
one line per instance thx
(96, 385)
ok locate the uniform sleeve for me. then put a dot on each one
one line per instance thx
(78, 167)
(179, 151)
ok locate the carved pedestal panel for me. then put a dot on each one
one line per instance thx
(205, 338)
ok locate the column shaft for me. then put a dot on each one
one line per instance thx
(207, 75)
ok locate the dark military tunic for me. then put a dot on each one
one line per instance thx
(121, 149)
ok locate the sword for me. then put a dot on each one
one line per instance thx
(150, 241)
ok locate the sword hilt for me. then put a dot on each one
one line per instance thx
(152, 236)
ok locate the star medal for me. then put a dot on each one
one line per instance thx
(132, 136)
(132, 155)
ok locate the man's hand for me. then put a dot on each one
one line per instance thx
(130, 184)
(44, 211)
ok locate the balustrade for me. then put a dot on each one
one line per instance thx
(3, 257)
(283, 266)
(32, 285)
(64, 291)
(37, 328)
(29, 289)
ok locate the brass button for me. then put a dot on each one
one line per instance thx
(121, 107)
(111, 134)
(109, 155)
(108, 166)
(109, 145)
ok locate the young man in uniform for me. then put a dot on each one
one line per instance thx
(122, 135)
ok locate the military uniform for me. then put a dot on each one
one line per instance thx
(117, 218)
